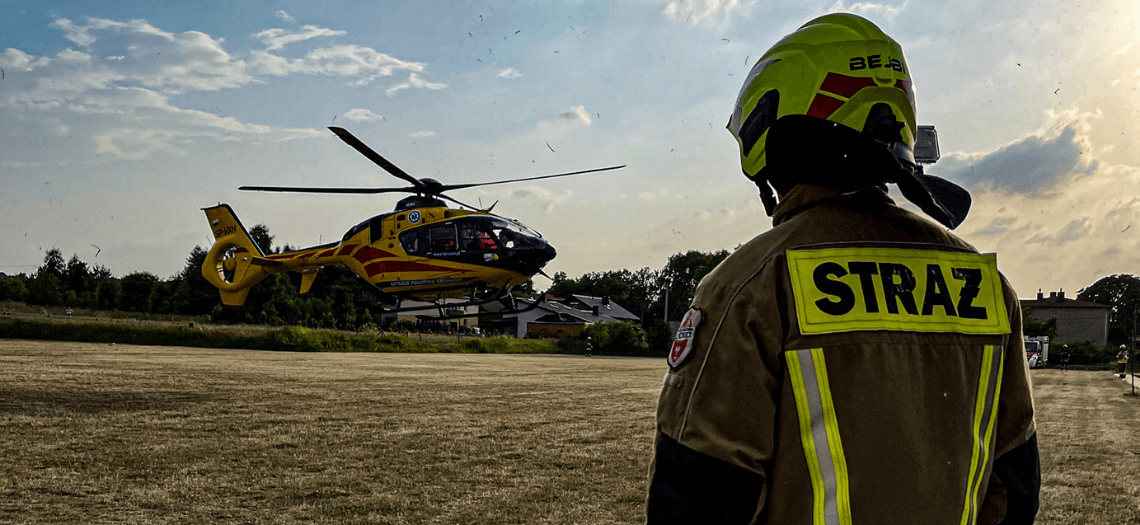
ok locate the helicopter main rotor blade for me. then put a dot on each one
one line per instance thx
(363, 148)
(447, 187)
(330, 190)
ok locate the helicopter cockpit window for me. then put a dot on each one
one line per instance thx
(443, 239)
(508, 232)
(476, 237)
(413, 242)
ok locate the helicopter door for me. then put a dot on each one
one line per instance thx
(442, 240)
(476, 237)
(414, 242)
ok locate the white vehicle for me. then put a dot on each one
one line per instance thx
(1037, 351)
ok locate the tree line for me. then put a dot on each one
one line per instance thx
(340, 299)
(337, 298)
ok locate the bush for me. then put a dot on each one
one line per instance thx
(504, 345)
(609, 339)
(1082, 353)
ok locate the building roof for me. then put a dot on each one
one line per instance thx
(1058, 300)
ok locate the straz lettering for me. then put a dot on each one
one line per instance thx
(222, 232)
(898, 287)
(875, 62)
(906, 289)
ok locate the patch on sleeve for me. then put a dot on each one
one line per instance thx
(683, 342)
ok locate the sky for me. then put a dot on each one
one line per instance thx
(120, 121)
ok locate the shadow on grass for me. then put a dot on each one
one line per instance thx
(38, 402)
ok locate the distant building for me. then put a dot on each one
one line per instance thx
(1076, 320)
(556, 317)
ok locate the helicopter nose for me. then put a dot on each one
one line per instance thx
(548, 254)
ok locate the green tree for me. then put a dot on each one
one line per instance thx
(138, 292)
(191, 293)
(108, 294)
(80, 283)
(47, 286)
(46, 289)
(596, 284)
(616, 338)
(1033, 326)
(13, 288)
(53, 264)
(260, 235)
(680, 277)
(1122, 293)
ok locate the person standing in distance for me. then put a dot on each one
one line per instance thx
(857, 363)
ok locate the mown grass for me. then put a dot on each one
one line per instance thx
(1089, 436)
(292, 339)
(94, 433)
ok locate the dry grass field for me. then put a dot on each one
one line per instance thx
(133, 434)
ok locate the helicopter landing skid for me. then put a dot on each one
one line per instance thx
(499, 295)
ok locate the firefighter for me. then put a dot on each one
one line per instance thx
(857, 363)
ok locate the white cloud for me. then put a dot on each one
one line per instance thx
(542, 197)
(194, 61)
(277, 38)
(283, 15)
(1127, 49)
(697, 11)
(83, 36)
(15, 59)
(1032, 164)
(74, 33)
(417, 82)
(867, 9)
(361, 115)
(576, 114)
(1058, 216)
(510, 72)
(421, 134)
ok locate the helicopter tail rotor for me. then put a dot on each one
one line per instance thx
(231, 265)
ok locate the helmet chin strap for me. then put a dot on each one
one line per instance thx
(850, 162)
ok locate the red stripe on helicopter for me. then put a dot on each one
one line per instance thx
(405, 266)
(347, 248)
(369, 253)
(327, 253)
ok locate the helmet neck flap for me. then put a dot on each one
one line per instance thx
(853, 161)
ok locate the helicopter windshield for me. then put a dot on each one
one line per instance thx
(466, 235)
(508, 231)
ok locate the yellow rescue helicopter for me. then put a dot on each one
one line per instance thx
(424, 250)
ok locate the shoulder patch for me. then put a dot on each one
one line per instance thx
(683, 342)
(901, 289)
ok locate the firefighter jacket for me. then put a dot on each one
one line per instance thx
(856, 364)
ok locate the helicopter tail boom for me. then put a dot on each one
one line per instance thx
(234, 263)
